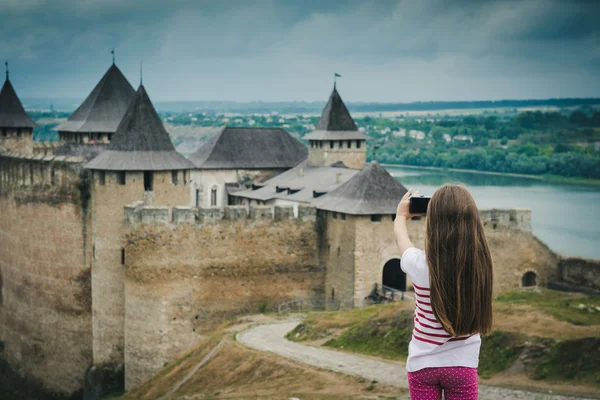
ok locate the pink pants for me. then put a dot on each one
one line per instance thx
(458, 383)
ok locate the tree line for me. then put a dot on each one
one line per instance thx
(537, 143)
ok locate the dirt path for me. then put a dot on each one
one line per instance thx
(271, 338)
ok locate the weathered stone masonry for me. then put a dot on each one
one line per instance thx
(109, 196)
(186, 274)
(45, 305)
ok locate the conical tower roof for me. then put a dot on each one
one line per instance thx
(336, 122)
(141, 142)
(12, 113)
(104, 108)
(372, 191)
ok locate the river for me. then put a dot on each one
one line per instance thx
(564, 216)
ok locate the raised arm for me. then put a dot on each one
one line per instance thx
(400, 231)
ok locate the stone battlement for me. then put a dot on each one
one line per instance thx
(45, 148)
(138, 213)
(513, 218)
(42, 157)
(19, 170)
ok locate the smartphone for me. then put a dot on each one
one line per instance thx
(418, 204)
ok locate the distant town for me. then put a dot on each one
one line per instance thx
(539, 137)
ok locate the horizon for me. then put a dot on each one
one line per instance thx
(278, 51)
(81, 99)
(59, 105)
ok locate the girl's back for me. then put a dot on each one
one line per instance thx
(452, 280)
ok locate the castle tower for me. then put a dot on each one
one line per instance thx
(139, 164)
(97, 118)
(336, 138)
(361, 251)
(16, 128)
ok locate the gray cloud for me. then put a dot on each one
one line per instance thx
(288, 50)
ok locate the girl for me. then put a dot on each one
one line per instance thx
(452, 280)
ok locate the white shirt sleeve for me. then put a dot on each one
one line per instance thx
(414, 264)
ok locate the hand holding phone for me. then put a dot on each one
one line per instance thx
(418, 204)
(412, 204)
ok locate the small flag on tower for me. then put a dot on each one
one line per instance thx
(335, 76)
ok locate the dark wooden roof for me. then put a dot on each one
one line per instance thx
(141, 142)
(336, 122)
(12, 113)
(335, 115)
(251, 148)
(104, 108)
(372, 191)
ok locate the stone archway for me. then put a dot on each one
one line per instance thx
(393, 276)
(529, 279)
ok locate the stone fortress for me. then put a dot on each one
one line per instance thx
(117, 253)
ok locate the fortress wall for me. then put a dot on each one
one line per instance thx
(375, 245)
(19, 142)
(187, 274)
(515, 250)
(515, 253)
(580, 273)
(107, 270)
(337, 255)
(45, 295)
(45, 148)
(352, 157)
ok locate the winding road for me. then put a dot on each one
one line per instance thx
(271, 338)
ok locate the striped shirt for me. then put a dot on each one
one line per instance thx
(431, 346)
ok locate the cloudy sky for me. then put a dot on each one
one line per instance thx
(272, 50)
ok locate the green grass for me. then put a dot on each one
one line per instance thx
(386, 338)
(319, 325)
(498, 351)
(571, 360)
(385, 331)
(575, 309)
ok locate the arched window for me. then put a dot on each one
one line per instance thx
(393, 276)
(529, 279)
(213, 197)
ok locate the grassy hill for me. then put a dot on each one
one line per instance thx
(237, 372)
(541, 339)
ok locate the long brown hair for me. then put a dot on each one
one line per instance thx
(460, 264)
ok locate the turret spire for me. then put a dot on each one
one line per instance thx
(113, 55)
(6, 64)
(141, 73)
